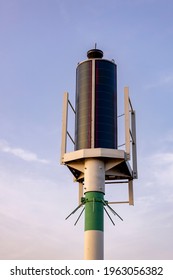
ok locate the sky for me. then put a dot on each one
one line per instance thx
(41, 43)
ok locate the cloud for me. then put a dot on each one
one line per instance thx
(154, 195)
(163, 158)
(33, 208)
(164, 80)
(20, 153)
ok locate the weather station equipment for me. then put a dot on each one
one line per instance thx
(97, 158)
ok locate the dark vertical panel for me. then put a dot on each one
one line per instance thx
(83, 105)
(105, 105)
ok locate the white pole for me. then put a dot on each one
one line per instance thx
(94, 188)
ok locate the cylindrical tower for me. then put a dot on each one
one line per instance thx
(96, 103)
(95, 127)
(96, 156)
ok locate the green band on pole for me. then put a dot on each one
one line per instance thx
(94, 211)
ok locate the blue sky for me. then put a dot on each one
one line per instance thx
(41, 43)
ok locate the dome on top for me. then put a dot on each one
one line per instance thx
(95, 53)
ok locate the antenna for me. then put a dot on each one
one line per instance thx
(97, 159)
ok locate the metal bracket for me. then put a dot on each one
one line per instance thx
(104, 202)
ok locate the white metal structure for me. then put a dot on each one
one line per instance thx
(93, 167)
(116, 162)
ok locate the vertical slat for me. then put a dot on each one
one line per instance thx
(134, 152)
(127, 122)
(64, 126)
(93, 106)
(130, 185)
(80, 192)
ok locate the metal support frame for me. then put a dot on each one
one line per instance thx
(130, 131)
(134, 152)
(65, 133)
(127, 122)
(130, 200)
(130, 136)
(130, 144)
(64, 126)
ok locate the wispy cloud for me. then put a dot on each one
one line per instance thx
(164, 80)
(155, 181)
(159, 172)
(21, 153)
(163, 158)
